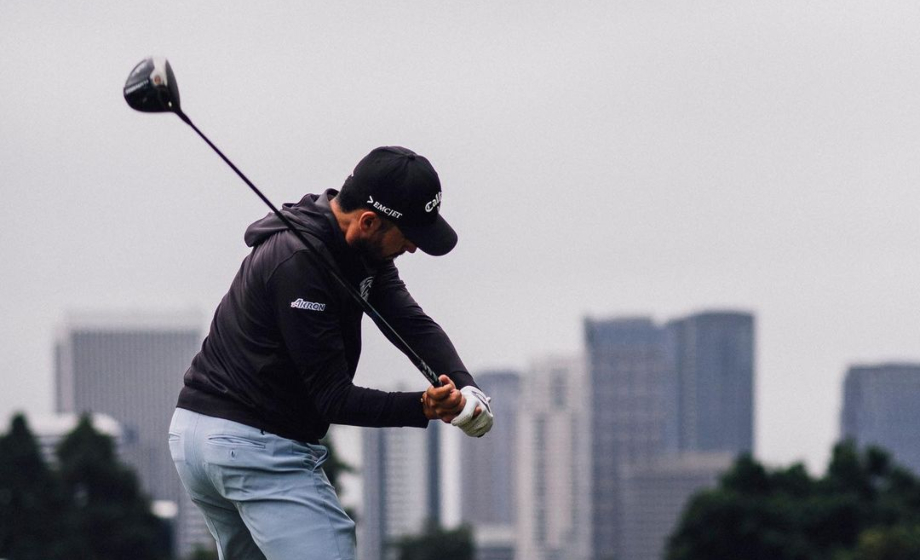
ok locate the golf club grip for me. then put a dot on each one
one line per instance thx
(368, 308)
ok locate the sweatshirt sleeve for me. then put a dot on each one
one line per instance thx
(309, 316)
(397, 306)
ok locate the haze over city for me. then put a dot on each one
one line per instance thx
(598, 160)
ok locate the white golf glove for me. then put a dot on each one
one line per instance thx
(480, 425)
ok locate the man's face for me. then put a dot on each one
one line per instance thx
(385, 243)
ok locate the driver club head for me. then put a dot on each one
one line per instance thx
(151, 87)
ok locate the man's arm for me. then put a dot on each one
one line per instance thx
(394, 302)
(391, 298)
(309, 316)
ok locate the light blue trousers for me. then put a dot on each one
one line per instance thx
(264, 497)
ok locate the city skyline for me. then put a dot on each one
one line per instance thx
(379, 346)
(708, 352)
(597, 160)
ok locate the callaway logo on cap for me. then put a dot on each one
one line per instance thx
(402, 186)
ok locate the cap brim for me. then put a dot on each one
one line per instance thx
(436, 239)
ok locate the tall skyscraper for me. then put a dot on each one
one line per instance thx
(487, 470)
(880, 409)
(659, 392)
(655, 493)
(712, 391)
(554, 462)
(628, 366)
(130, 367)
(401, 487)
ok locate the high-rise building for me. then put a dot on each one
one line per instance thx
(880, 409)
(130, 367)
(655, 493)
(712, 391)
(401, 487)
(554, 461)
(627, 367)
(659, 392)
(487, 470)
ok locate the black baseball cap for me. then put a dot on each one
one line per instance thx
(403, 187)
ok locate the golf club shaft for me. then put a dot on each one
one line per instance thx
(368, 308)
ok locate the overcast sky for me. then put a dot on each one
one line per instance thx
(597, 158)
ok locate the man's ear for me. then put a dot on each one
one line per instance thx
(368, 222)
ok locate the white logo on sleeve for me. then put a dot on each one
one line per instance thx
(311, 305)
(365, 287)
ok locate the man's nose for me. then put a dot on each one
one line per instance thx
(411, 247)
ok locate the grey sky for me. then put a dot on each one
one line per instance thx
(597, 159)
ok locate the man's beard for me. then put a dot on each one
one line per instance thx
(371, 251)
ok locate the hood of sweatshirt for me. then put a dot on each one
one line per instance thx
(311, 215)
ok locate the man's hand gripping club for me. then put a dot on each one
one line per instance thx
(467, 408)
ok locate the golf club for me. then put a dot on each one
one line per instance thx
(151, 88)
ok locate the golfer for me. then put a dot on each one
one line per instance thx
(277, 366)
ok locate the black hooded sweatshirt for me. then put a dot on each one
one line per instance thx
(284, 343)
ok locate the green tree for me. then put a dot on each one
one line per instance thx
(202, 553)
(32, 501)
(891, 543)
(110, 518)
(785, 514)
(436, 543)
(751, 516)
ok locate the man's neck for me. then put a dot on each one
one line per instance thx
(346, 220)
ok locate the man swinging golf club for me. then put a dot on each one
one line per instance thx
(276, 368)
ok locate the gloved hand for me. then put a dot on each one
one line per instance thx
(480, 424)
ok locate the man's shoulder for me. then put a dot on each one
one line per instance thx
(287, 247)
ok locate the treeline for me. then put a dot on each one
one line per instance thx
(89, 506)
(864, 508)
